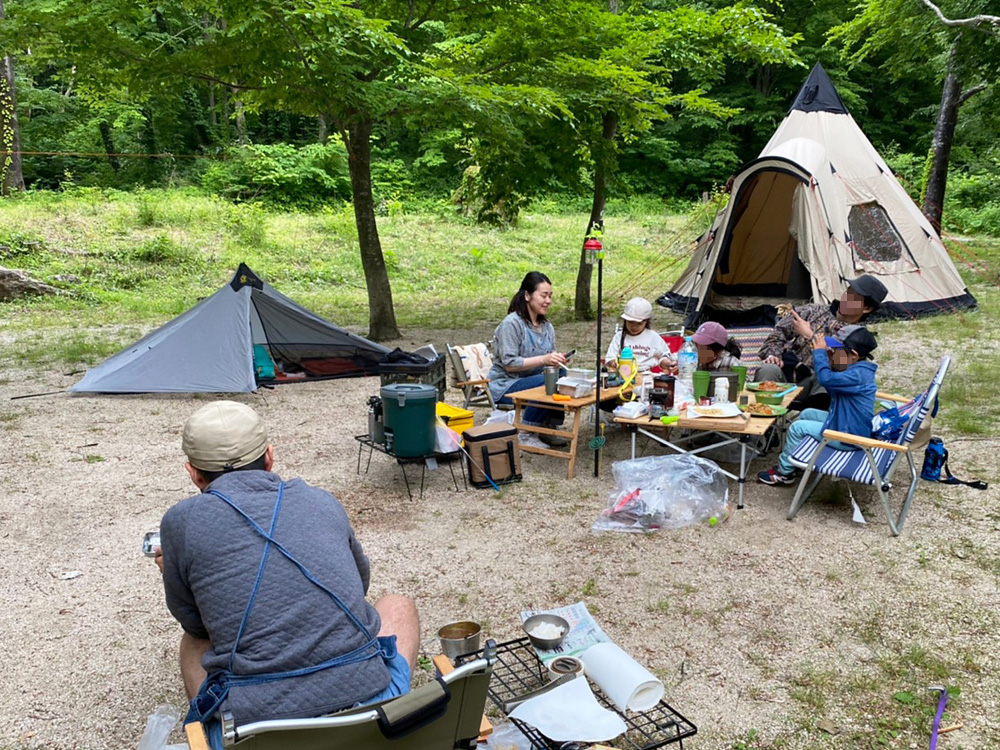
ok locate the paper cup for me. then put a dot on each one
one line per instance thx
(627, 683)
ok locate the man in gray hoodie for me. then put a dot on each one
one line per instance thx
(269, 582)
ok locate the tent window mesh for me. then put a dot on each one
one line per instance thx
(875, 238)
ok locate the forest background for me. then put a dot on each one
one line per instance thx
(484, 108)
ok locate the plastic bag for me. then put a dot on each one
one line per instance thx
(446, 440)
(506, 736)
(498, 416)
(158, 727)
(663, 492)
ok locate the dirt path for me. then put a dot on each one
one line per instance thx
(759, 624)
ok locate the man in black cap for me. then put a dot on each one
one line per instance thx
(787, 352)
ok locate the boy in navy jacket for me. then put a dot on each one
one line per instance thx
(843, 367)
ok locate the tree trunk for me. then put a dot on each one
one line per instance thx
(148, 139)
(381, 317)
(241, 121)
(944, 136)
(109, 145)
(582, 307)
(11, 174)
(213, 116)
(323, 133)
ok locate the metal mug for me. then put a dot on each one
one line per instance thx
(551, 380)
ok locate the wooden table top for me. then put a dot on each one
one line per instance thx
(748, 426)
(538, 395)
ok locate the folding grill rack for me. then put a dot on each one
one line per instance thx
(518, 670)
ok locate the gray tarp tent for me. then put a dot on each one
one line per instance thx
(211, 347)
(819, 206)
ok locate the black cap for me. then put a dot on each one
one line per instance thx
(870, 287)
(856, 338)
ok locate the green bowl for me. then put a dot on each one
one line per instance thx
(770, 400)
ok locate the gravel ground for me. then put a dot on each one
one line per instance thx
(758, 624)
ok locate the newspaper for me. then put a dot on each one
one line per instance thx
(583, 633)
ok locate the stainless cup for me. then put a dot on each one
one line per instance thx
(551, 380)
(460, 638)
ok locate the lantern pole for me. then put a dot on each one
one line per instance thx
(596, 252)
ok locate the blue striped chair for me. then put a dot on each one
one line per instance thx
(873, 462)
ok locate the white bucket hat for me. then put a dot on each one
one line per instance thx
(637, 310)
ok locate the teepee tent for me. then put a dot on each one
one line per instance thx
(819, 206)
(243, 333)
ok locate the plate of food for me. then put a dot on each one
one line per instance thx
(768, 386)
(763, 410)
(719, 411)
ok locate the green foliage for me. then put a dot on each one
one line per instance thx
(282, 175)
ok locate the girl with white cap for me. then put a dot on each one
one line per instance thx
(648, 347)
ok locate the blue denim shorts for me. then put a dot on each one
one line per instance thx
(399, 672)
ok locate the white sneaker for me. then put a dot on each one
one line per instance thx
(529, 440)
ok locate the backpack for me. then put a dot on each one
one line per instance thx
(936, 461)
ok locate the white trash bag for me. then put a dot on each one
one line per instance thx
(663, 492)
(158, 727)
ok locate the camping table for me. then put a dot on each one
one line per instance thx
(730, 429)
(573, 407)
(366, 440)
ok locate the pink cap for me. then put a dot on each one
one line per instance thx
(710, 333)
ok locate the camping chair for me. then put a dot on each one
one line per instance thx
(875, 461)
(440, 715)
(472, 365)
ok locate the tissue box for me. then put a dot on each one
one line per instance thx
(576, 388)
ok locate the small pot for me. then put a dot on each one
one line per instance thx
(460, 638)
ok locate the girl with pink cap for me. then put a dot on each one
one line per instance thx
(716, 350)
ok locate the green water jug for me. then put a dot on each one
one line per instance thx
(409, 414)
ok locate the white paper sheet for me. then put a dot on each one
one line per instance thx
(583, 633)
(624, 681)
(571, 713)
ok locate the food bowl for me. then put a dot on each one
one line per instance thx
(546, 644)
(768, 398)
(460, 638)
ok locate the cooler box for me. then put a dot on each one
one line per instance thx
(492, 449)
(430, 373)
(456, 418)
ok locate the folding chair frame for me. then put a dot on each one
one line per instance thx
(469, 387)
(881, 483)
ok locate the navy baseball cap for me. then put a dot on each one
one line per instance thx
(856, 338)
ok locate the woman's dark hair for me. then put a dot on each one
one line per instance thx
(731, 346)
(258, 464)
(529, 284)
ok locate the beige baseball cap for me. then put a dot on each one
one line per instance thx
(224, 435)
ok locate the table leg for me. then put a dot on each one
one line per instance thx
(573, 443)
(743, 473)
(423, 471)
(633, 431)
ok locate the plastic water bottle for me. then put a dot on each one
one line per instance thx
(626, 363)
(687, 363)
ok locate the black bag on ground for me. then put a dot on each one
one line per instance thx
(492, 452)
